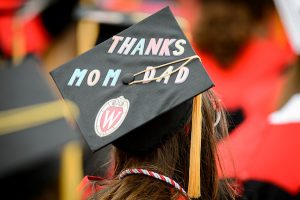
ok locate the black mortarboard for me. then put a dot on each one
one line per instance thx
(122, 99)
(31, 129)
(97, 77)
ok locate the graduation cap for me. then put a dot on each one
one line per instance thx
(33, 123)
(137, 87)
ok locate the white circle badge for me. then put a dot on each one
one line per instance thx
(111, 115)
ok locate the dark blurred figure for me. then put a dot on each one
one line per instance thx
(33, 134)
(232, 37)
(31, 164)
(39, 182)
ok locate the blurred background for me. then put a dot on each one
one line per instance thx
(250, 48)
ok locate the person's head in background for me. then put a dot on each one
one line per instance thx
(171, 158)
(225, 26)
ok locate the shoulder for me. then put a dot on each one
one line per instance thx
(87, 186)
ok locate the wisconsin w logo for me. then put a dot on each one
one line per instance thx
(111, 115)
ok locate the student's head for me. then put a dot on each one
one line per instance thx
(171, 158)
(152, 107)
(225, 26)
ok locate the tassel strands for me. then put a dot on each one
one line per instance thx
(194, 188)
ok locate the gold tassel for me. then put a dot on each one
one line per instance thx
(194, 189)
(18, 42)
(71, 171)
(87, 33)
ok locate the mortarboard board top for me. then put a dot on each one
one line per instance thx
(140, 80)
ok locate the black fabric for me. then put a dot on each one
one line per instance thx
(58, 16)
(152, 134)
(98, 163)
(109, 30)
(235, 118)
(39, 182)
(258, 190)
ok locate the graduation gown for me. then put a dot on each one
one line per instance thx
(263, 154)
(252, 82)
(35, 36)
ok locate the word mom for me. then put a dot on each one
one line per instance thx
(112, 76)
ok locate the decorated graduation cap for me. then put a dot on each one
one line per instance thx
(137, 87)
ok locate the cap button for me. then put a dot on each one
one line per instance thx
(128, 78)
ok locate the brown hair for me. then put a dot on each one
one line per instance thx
(225, 26)
(171, 159)
(292, 83)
